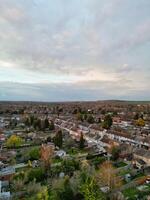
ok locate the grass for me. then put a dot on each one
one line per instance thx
(123, 172)
(57, 160)
(131, 193)
(120, 164)
(74, 151)
(139, 175)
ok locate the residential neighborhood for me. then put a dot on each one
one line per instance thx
(44, 143)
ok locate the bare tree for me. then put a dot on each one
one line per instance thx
(108, 176)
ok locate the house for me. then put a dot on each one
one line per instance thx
(142, 154)
(127, 177)
(61, 153)
(7, 173)
(4, 194)
(140, 164)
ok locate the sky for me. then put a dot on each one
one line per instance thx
(69, 50)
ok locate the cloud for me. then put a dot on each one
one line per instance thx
(71, 91)
(97, 43)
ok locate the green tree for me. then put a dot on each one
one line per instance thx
(58, 139)
(69, 166)
(27, 121)
(34, 153)
(32, 118)
(107, 123)
(37, 124)
(115, 151)
(90, 190)
(82, 141)
(43, 195)
(38, 174)
(79, 116)
(51, 126)
(62, 190)
(46, 123)
(136, 116)
(90, 119)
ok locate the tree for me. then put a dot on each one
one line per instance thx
(140, 122)
(29, 163)
(61, 190)
(107, 123)
(115, 151)
(43, 195)
(90, 119)
(32, 119)
(27, 121)
(46, 123)
(34, 153)
(79, 116)
(108, 176)
(14, 141)
(51, 126)
(36, 191)
(49, 139)
(69, 143)
(69, 166)
(82, 141)
(136, 116)
(37, 174)
(46, 155)
(58, 140)
(37, 124)
(90, 190)
(67, 192)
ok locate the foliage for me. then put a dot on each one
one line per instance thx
(17, 185)
(90, 190)
(58, 140)
(37, 124)
(43, 195)
(140, 122)
(14, 141)
(51, 126)
(29, 163)
(62, 190)
(97, 161)
(46, 123)
(46, 155)
(79, 116)
(90, 119)
(27, 121)
(108, 176)
(107, 123)
(115, 151)
(82, 141)
(38, 174)
(34, 153)
(69, 166)
(69, 143)
(136, 116)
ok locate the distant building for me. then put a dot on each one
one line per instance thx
(142, 154)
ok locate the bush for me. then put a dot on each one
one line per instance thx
(34, 154)
(69, 166)
(97, 161)
(36, 174)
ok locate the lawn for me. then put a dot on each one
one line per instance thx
(120, 164)
(131, 193)
(123, 172)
